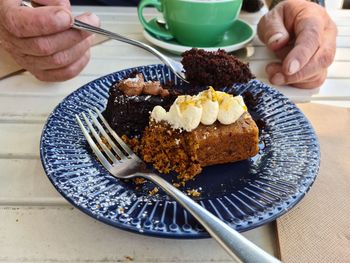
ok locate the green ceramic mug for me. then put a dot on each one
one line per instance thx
(196, 23)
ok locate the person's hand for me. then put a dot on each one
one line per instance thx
(303, 37)
(41, 41)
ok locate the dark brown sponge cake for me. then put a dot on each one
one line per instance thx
(218, 68)
(127, 112)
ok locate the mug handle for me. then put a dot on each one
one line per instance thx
(152, 26)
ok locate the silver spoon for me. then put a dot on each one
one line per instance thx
(175, 66)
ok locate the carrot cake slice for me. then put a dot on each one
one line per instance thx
(210, 128)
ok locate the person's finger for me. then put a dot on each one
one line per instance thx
(64, 73)
(29, 22)
(283, 52)
(322, 59)
(64, 3)
(272, 68)
(329, 44)
(308, 37)
(271, 29)
(313, 82)
(5, 39)
(274, 73)
(311, 79)
(58, 60)
(51, 44)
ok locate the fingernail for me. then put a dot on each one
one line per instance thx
(278, 79)
(64, 18)
(294, 66)
(275, 38)
(92, 15)
(95, 18)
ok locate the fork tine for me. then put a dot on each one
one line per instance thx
(98, 139)
(93, 146)
(120, 154)
(115, 136)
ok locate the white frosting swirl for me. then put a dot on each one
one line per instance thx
(210, 104)
(230, 109)
(158, 113)
(187, 112)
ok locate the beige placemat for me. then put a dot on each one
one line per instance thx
(8, 66)
(318, 228)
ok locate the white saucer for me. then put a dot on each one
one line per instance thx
(237, 37)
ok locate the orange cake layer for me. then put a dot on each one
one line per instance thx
(186, 153)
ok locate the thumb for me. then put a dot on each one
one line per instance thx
(63, 3)
(31, 22)
(272, 30)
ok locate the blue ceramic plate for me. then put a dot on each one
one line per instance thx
(245, 194)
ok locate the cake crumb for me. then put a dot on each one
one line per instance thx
(139, 180)
(193, 193)
(128, 258)
(153, 191)
(105, 142)
(133, 143)
(179, 184)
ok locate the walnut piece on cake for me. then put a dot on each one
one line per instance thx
(132, 86)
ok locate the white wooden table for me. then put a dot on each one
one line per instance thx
(38, 225)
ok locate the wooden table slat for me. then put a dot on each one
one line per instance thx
(39, 225)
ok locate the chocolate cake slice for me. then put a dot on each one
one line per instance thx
(130, 102)
(218, 69)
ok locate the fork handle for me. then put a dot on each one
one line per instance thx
(237, 246)
(92, 29)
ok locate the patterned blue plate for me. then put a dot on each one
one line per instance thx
(245, 194)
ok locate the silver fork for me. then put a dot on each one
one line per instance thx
(175, 66)
(126, 164)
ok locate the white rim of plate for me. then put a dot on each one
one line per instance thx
(177, 48)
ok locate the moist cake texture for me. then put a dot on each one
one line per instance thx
(185, 133)
(130, 101)
(187, 152)
(188, 147)
(218, 68)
